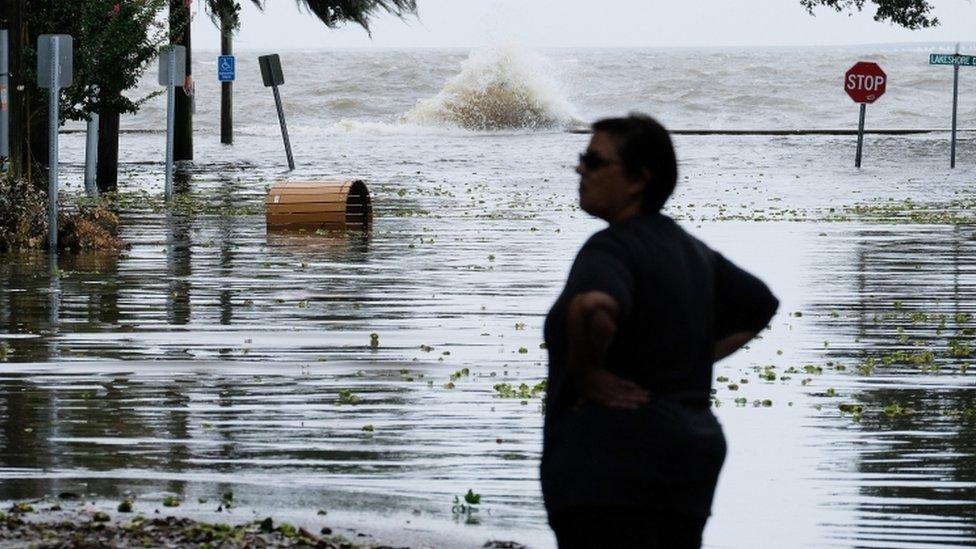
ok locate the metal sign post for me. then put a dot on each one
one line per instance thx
(273, 77)
(54, 70)
(865, 82)
(956, 60)
(91, 155)
(172, 73)
(955, 102)
(860, 136)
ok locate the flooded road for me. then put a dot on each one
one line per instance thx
(212, 355)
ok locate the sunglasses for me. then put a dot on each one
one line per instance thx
(592, 161)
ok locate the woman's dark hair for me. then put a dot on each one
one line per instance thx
(642, 142)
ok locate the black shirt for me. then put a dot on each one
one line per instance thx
(677, 297)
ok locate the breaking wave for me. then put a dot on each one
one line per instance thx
(498, 88)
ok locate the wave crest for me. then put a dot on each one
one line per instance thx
(498, 88)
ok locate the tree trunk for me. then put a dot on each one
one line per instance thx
(13, 15)
(179, 33)
(107, 169)
(226, 88)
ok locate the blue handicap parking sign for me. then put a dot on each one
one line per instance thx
(225, 68)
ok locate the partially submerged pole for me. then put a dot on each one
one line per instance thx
(955, 102)
(284, 128)
(91, 155)
(226, 87)
(860, 136)
(54, 97)
(4, 100)
(273, 77)
(170, 118)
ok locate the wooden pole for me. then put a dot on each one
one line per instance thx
(14, 13)
(107, 165)
(179, 33)
(226, 88)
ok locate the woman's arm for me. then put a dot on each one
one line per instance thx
(591, 323)
(732, 343)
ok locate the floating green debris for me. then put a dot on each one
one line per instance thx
(426, 348)
(466, 505)
(463, 372)
(472, 498)
(523, 391)
(374, 340)
(523, 350)
(848, 408)
(171, 501)
(368, 428)
(893, 410)
(347, 397)
(125, 507)
(22, 507)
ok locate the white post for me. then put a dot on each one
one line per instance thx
(91, 155)
(52, 150)
(170, 120)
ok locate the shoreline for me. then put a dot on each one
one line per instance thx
(70, 521)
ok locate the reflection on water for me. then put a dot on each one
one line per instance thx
(914, 292)
(213, 354)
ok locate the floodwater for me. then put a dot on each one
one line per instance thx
(212, 355)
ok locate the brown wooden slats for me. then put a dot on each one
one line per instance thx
(310, 205)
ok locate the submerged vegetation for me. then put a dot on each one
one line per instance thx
(53, 526)
(83, 224)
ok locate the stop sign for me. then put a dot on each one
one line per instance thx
(865, 82)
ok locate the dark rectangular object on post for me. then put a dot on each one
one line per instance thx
(271, 70)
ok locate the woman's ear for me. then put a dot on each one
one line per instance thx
(641, 183)
(646, 175)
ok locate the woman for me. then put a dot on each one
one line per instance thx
(631, 450)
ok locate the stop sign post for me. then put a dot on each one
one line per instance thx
(865, 82)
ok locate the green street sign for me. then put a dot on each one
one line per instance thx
(952, 59)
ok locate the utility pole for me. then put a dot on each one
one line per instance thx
(226, 88)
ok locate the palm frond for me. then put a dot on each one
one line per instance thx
(227, 10)
(336, 12)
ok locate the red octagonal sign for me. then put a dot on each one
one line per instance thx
(865, 82)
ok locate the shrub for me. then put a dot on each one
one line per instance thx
(85, 225)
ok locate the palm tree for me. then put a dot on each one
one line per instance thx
(336, 12)
(226, 15)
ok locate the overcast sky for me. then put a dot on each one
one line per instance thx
(585, 23)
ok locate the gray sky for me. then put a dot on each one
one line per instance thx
(585, 23)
